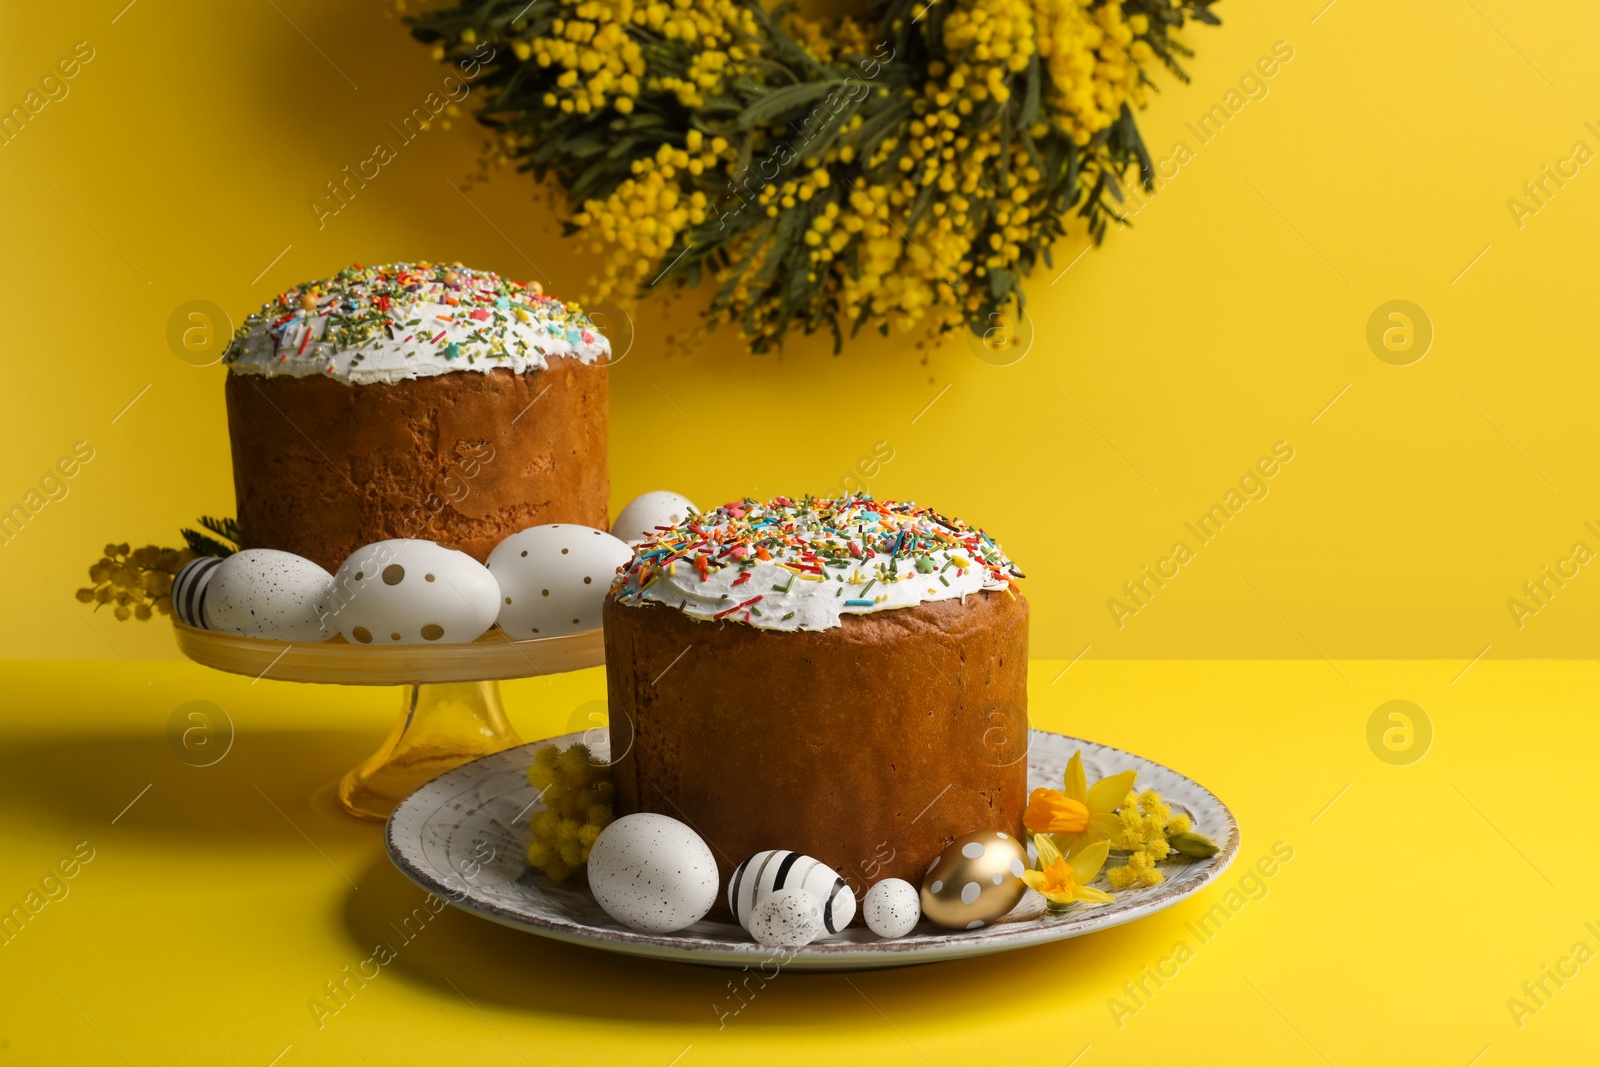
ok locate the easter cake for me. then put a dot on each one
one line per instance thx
(415, 400)
(843, 678)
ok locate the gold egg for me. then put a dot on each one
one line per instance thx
(974, 881)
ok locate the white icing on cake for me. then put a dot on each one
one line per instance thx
(825, 559)
(388, 323)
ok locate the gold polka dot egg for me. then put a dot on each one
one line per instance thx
(975, 880)
(410, 592)
(553, 579)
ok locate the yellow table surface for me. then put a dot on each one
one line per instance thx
(218, 906)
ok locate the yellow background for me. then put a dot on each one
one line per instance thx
(1377, 167)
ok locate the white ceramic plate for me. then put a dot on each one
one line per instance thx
(464, 836)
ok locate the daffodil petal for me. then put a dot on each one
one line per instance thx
(1093, 896)
(1051, 811)
(1108, 793)
(1034, 880)
(1048, 852)
(1075, 783)
(1087, 863)
(1102, 825)
(1067, 844)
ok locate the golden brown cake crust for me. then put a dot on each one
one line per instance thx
(322, 468)
(869, 746)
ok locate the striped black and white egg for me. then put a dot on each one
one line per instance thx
(647, 513)
(975, 880)
(411, 592)
(262, 592)
(767, 872)
(553, 579)
(189, 590)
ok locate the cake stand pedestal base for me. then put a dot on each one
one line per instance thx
(442, 726)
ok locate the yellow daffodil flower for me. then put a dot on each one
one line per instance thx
(1052, 812)
(1063, 880)
(1098, 804)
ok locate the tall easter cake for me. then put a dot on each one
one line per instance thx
(415, 400)
(842, 678)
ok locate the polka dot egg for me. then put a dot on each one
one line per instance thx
(553, 579)
(406, 592)
(646, 514)
(974, 881)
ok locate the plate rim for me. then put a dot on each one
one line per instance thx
(823, 955)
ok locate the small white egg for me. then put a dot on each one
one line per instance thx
(891, 908)
(553, 579)
(789, 917)
(262, 592)
(408, 592)
(652, 873)
(649, 510)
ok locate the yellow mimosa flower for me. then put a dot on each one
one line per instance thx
(661, 78)
(1063, 880)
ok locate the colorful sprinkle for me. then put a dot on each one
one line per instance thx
(737, 607)
(868, 552)
(361, 306)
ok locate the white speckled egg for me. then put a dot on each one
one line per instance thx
(262, 592)
(891, 908)
(974, 881)
(774, 870)
(789, 917)
(189, 590)
(553, 579)
(406, 592)
(649, 510)
(652, 873)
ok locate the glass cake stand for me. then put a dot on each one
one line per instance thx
(450, 711)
